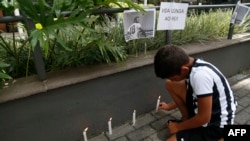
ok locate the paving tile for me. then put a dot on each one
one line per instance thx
(177, 115)
(241, 93)
(144, 120)
(244, 102)
(242, 117)
(161, 113)
(160, 136)
(141, 133)
(239, 108)
(161, 124)
(120, 131)
(100, 137)
(122, 139)
(147, 139)
(247, 109)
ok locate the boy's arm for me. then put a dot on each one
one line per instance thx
(202, 117)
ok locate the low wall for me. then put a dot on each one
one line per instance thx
(69, 101)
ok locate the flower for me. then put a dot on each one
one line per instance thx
(38, 26)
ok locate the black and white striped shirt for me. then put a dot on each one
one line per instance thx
(205, 79)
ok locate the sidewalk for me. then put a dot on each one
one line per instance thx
(152, 126)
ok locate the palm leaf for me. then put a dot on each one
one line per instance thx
(5, 76)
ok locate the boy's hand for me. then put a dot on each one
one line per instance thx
(164, 106)
(172, 127)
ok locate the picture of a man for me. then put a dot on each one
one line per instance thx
(135, 31)
(139, 25)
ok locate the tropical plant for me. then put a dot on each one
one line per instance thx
(8, 6)
(17, 53)
(52, 20)
(65, 20)
(207, 26)
(3, 75)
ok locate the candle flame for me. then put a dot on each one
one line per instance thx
(110, 119)
(86, 129)
(159, 97)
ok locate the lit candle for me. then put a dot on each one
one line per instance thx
(134, 118)
(110, 126)
(85, 134)
(145, 2)
(158, 103)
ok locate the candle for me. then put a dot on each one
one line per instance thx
(20, 30)
(134, 118)
(85, 134)
(158, 103)
(110, 126)
(145, 2)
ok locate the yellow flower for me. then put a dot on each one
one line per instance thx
(38, 26)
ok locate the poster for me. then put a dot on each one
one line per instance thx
(139, 25)
(172, 16)
(239, 14)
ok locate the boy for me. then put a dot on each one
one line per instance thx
(200, 91)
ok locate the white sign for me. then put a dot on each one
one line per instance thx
(139, 25)
(239, 14)
(172, 16)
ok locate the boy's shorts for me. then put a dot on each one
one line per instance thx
(200, 134)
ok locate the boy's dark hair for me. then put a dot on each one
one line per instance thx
(168, 61)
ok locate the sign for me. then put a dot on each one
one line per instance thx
(139, 25)
(172, 16)
(239, 14)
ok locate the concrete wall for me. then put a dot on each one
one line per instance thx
(231, 60)
(61, 114)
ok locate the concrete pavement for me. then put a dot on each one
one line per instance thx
(152, 125)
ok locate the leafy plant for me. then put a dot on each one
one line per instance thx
(8, 6)
(119, 3)
(207, 26)
(3, 75)
(17, 53)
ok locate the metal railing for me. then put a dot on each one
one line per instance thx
(39, 63)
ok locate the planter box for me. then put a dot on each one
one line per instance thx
(59, 108)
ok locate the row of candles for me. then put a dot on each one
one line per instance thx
(110, 121)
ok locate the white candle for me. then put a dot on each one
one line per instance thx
(85, 134)
(110, 126)
(134, 118)
(158, 103)
(20, 30)
(145, 2)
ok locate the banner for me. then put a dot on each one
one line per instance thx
(172, 16)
